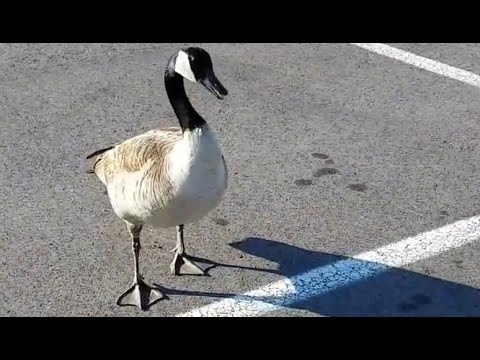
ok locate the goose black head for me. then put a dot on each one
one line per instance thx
(195, 64)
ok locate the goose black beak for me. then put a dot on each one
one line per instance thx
(213, 85)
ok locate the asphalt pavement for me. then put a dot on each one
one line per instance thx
(332, 151)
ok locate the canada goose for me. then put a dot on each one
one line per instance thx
(167, 177)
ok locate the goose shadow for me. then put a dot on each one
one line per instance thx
(351, 287)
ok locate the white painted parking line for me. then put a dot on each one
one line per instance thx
(423, 63)
(343, 273)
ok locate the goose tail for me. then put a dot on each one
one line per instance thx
(98, 152)
(93, 169)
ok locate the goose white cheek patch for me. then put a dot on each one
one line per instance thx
(182, 66)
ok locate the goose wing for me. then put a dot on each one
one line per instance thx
(133, 154)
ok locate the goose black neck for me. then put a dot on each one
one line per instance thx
(187, 116)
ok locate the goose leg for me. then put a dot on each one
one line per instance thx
(181, 265)
(140, 294)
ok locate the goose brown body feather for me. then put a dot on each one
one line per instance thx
(163, 176)
(133, 154)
